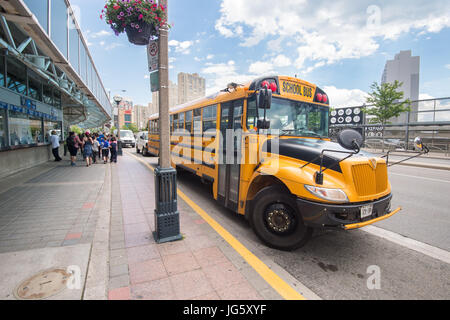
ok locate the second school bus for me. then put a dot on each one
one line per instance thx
(317, 183)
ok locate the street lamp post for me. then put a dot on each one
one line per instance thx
(167, 220)
(118, 99)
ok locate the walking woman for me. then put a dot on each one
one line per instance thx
(88, 145)
(105, 150)
(73, 143)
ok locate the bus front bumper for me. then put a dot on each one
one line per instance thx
(345, 216)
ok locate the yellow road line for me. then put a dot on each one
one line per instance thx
(278, 284)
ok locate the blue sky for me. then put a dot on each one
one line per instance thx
(339, 45)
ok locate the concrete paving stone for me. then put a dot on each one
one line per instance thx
(136, 228)
(142, 253)
(210, 296)
(190, 285)
(118, 270)
(160, 289)
(119, 282)
(209, 256)
(199, 242)
(117, 245)
(179, 263)
(70, 242)
(170, 248)
(241, 291)
(54, 243)
(119, 294)
(138, 239)
(269, 294)
(147, 271)
(223, 275)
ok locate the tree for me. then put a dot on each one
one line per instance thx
(131, 126)
(386, 103)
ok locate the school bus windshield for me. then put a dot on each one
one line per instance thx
(296, 118)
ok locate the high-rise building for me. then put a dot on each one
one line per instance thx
(173, 98)
(190, 87)
(140, 116)
(404, 68)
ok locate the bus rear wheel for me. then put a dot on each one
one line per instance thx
(277, 222)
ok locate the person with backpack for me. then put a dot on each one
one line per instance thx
(105, 150)
(113, 150)
(96, 149)
(73, 144)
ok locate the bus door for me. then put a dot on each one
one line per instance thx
(230, 153)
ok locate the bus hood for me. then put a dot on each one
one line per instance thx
(309, 150)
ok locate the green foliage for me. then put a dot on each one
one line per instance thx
(386, 102)
(76, 129)
(131, 127)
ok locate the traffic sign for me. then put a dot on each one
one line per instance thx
(153, 56)
(154, 81)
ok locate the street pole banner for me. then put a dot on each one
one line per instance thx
(153, 56)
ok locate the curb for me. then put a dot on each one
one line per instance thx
(423, 165)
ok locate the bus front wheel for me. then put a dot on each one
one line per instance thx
(276, 220)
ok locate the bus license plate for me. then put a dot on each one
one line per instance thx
(366, 211)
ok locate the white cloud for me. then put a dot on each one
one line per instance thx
(218, 75)
(182, 47)
(345, 97)
(447, 66)
(261, 68)
(209, 57)
(327, 31)
(146, 76)
(102, 33)
(282, 61)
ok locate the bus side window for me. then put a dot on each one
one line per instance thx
(189, 121)
(209, 118)
(252, 113)
(198, 121)
(181, 121)
(171, 124)
(175, 122)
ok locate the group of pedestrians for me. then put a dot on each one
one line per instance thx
(92, 146)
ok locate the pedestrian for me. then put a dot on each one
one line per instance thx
(73, 144)
(95, 150)
(88, 145)
(113, 150)
(55, 145)
(105, 150)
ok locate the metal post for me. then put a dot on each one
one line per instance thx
(167, 218)
(118, 99)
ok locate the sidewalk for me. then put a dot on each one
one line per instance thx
(101, 219)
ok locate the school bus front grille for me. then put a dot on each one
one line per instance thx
(369, 181)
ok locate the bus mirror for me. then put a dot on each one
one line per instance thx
(263, 124)
(264, 98)
(418, 143)
(350, 139)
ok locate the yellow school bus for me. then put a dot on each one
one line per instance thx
(264, 147)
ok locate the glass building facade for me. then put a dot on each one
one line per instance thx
(31, 121)
(58, 21)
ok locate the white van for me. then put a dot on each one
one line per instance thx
(127, 139)
(142, 143)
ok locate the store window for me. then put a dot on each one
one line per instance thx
(17, 76)
(57, 99)
(24, 130)
(3, 133)
(47, 95)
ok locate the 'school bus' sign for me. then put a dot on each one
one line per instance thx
(294, 89)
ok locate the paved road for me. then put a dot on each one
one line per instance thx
(335, 264)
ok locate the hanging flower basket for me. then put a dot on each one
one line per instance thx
(140, 19)
(140, 36)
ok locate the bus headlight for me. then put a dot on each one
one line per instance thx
(334, 195)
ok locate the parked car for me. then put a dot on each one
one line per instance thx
(127, 139)
(142, 142)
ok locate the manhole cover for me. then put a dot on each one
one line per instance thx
(43, 285)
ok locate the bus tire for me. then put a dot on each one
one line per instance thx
(277, 221)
